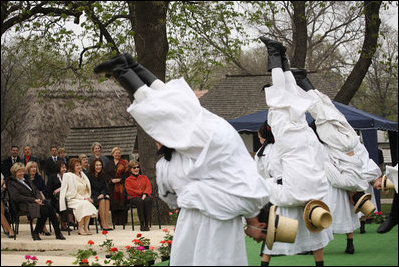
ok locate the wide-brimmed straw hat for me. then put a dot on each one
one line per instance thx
(364, 205)
(386, 183)
(280, 228)
(317, 216)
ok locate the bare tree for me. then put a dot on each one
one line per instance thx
(353, 82)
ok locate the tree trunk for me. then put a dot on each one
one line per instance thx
(299, 35)
(152, 48)
(354, 80)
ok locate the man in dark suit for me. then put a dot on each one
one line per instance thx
(29, 157)
(50, 161)
(8, 162)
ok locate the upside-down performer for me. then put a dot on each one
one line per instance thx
(297, 161)
(205, 170)
(349, 168)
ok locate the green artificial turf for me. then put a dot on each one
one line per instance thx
(371, 249)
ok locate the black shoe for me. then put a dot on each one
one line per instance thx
(362, 225)
(386, 226)
(60, 236)
(47, 234)
(64, 229)
(275, 50)
(350, 249)
(36, 236)
(112, 66)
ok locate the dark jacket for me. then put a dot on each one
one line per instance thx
(39, 183)
(24, 198)
(50, 166)
(53, 183)
(99, 185)
(6, 166)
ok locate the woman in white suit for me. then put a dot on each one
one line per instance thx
(76, 192)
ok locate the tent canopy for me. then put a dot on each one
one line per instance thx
(358, 119)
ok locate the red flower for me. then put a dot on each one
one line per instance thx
(90, 242)
(165, 230)
(380, 213)
(152, 248)
(49, 262)
(170, 213)
(176, 211)
(169, 241)
(96, 258)
(162, 241)
(85, 261)
(113, 249)
(127, 247)
(138, 235)
(105, 232)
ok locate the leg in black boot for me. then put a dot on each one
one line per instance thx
(349, 246)
(145, 75)
(275, 50)
(302, 79)
(119, 69)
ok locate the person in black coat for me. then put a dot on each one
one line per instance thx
(8, 162)
(26, 197)
(99, 191)
(51, 161)
(54, 187)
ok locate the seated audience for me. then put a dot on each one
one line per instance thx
(4, 223)
(99, 191)
(29, 199)
(138, 189)
(76, 194)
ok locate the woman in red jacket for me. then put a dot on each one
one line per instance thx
(138, 188)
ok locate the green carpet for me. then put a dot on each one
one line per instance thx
(371, 249)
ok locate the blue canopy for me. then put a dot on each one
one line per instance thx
(358, 119)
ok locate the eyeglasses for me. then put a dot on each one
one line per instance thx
(136, 167)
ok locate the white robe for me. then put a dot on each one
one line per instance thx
(344, 172)
(298, 159)
(211, 175)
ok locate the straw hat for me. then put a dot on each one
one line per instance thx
(317, 216)
(386, 183)
(365, 205)
(280, 229)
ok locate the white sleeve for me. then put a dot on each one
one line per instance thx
(344, 180)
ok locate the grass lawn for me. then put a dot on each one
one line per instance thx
(371, 249)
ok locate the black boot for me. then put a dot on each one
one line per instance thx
(145, 75)
(302, 79)
(362, 225)
(349, 246)
(35, 236)
(275, 50)
(119, 69)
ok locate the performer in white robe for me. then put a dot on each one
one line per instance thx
(348, 167)
(301, 158)
(206, 171)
